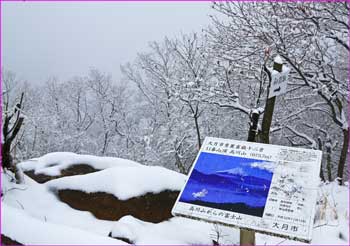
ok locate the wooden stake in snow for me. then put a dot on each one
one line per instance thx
(247, 238)
(277, 86)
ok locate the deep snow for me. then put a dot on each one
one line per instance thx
(32, 214)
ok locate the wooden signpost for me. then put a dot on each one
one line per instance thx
(278, 79)
(255, 187)
(278, 76)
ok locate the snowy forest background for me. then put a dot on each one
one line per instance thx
(200, 84)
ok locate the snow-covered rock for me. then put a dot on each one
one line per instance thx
(38, 202)
(145, 192)
(123, 182)
(53, 163)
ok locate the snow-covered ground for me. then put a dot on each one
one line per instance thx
(32, 214)
(19, 225)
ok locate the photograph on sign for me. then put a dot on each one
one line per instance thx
(245, 183)
(266, 188)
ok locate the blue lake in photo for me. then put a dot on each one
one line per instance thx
(229, 183)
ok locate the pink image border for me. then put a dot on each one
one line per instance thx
(99, 1)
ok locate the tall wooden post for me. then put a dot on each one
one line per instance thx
(247, 238)
(267, 120)
(269, 107)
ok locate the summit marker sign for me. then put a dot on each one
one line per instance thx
(267, 188)
(279, 82)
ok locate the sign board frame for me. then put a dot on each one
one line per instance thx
(279, 81)
(285, 210)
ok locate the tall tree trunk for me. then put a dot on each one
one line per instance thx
(6, 158)
(322, 174)
(253, 128)
(320, 147)
(34, 140)
(329, 163)
(198, 132)
(9, 135)
(179, 164)
(343, 155)
(105, 143)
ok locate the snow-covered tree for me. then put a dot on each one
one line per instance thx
(12, 121)
(310, 37)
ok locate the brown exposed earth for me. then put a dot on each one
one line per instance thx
(8, 241)
(78, 169)
(149, 207)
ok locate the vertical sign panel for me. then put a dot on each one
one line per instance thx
(279, 82)
(267, 188)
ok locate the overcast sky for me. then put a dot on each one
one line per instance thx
(63, 39)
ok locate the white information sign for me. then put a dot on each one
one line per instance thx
(279, 82)
(267, 188)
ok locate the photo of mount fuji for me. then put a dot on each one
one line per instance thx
(229, 183)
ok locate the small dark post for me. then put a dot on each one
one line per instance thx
(253, 129)
(246, 238)
(269, 107)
